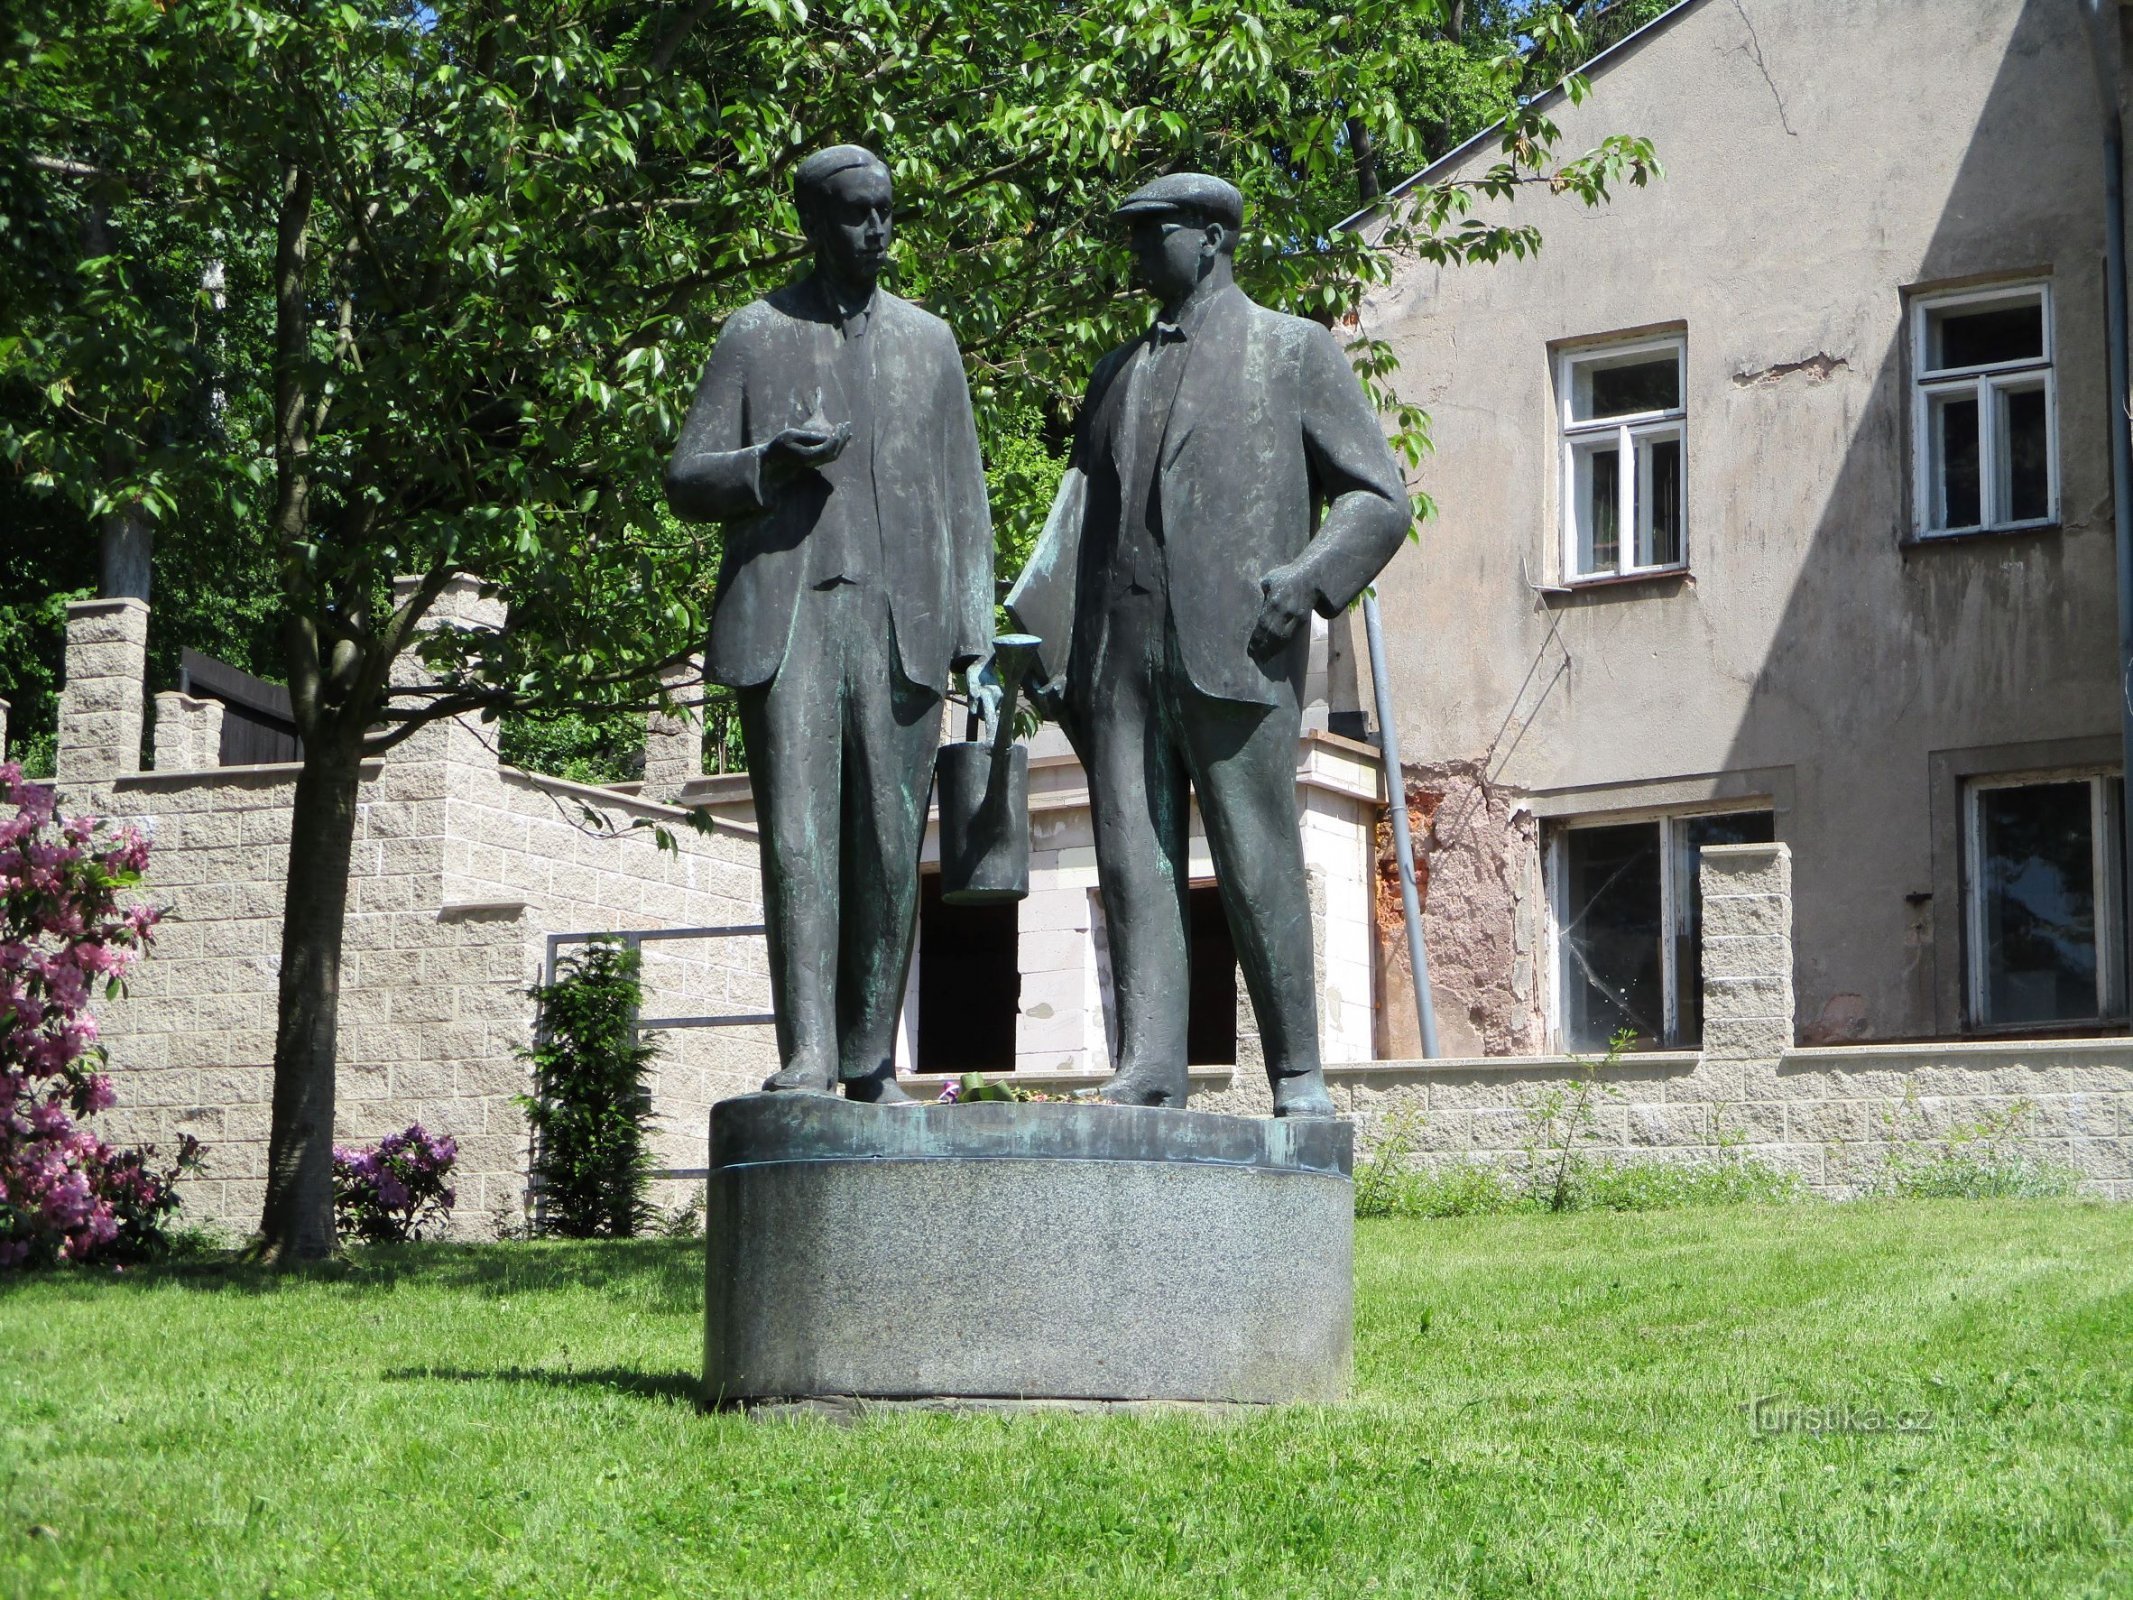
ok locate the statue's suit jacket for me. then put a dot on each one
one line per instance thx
(1271, 453)
(929, 485)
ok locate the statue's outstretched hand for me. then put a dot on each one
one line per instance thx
(813, 441)
(791, 451)
(1048, 696)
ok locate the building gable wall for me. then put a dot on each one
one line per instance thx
(1822, 159)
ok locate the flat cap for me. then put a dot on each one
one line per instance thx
(1197, 194)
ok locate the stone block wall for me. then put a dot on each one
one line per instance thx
(188, 732)
(462, 870)
(1833, 1116)
(434, 1004)
(674, 735)
(467, 875)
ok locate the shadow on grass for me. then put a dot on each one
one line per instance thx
(669, 1387)
(669, 1273)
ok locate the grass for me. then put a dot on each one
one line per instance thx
(1469, 1188)
(1543, 1405)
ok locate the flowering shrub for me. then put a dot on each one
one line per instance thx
(388, 1195)
(65, 1195)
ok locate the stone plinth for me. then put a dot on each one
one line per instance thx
(1025, 1251)
(101, 710)
(188, 733)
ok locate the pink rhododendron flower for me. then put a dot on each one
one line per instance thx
(66, 1195)
(396, 1190)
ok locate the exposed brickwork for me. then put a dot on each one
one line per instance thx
(1477, 864)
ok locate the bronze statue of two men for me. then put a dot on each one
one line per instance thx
(1228, 477)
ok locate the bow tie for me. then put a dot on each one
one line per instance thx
(1169, 333)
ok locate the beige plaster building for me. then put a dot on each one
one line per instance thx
(1776, 504)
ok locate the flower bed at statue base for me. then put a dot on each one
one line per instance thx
(973, 1088)
(66, 1195)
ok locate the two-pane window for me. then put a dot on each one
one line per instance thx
(1984, 414)
(1628, 905)
(1623, 439)
(2045, 899)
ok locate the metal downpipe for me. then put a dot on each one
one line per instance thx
(2096, 14)
(1403, 845)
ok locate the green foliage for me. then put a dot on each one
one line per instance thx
(686, 1220)
(1989, 1159)
(584, 749)
(333, 295)
(1621, 1185)
(420, 290)
(1390, 1187)
(423, 291)
(591, 1105)
(1561, 1115)
(974, 1088)
(1022, 473)
(31, 631)
(1611, 23)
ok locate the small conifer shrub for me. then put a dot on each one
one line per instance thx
(591, 1106)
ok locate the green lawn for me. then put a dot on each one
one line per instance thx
(1543, 1405)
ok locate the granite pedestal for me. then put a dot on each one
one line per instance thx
(1077, 1252)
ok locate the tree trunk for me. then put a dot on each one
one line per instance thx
(126, 538)
(1365, 150)
(125, 551)
(297, 1224)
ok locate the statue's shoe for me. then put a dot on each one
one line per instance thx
(800, 1079)
(1303, 1094)
(1141, 1086)
(879, 1089)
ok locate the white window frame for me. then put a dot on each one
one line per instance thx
(1985, 383)
(1670, 891)
(2105, 835)
(1631, 435)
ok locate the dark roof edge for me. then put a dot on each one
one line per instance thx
(1458, 152)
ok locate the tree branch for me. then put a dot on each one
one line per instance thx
(664, 52)
(64, 167)
(292, 486)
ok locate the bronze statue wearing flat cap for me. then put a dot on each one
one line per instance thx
(832, 436)
(1228, 476)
